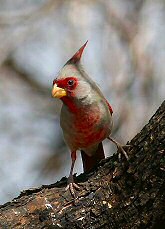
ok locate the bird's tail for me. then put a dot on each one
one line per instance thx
(90, 161)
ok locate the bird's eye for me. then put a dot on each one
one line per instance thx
(70, 82)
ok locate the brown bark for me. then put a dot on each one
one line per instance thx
(114, 195)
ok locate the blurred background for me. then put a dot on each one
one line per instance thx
(125, 55)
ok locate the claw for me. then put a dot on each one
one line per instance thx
(120, 147)
(72, 186)
(123, 151)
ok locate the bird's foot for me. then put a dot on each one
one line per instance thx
(122, 151)
(121, 148)
(72, 186)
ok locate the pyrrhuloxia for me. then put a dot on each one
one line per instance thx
(86, 116)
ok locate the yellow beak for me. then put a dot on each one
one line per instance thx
(58, 92)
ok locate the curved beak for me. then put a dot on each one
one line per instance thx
(58, 92)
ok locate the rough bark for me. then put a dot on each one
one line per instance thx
(114, 195)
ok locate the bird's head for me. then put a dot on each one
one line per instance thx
(72, 82)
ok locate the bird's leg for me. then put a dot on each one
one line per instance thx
(71, 185)
(119, 146)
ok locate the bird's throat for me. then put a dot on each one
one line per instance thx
(70, 104)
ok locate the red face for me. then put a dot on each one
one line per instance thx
(69, 84)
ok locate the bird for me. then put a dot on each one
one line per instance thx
(86, 115)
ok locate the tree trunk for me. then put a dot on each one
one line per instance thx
(116, 194)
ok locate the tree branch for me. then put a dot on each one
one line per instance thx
(114, 195)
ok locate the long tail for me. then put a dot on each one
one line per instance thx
(90, 162)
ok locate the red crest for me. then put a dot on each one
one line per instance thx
(77, 56)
